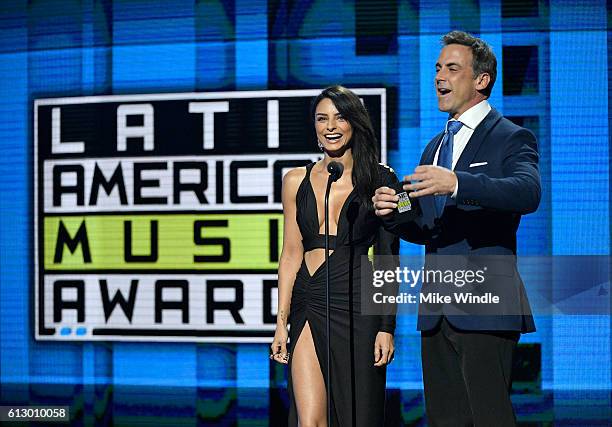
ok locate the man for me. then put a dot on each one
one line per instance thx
(475, 180)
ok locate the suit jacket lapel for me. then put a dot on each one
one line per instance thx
(430, 150)
(428, 206)
(478, 137)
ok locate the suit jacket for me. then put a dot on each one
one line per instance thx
(499, 181)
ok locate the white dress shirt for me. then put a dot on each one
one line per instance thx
(470, 119)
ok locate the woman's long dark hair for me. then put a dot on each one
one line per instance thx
(365, 173)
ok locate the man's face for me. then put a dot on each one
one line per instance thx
(455, 81)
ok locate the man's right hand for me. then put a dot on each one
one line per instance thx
(384, 201)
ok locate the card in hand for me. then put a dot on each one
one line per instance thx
(407, 208)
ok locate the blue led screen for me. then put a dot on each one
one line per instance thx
(553, 77)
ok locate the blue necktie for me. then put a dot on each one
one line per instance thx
(445, 158)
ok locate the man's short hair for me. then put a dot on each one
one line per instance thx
(483, 61)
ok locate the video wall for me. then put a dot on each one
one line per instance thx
(142, 148)
(159, 216)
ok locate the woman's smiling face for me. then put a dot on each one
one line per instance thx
(333, 131)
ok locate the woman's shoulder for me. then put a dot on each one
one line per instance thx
(386, 169)
(387, 174)
(294, 177)
(291, 183)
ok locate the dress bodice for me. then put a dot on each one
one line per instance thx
(357, 225)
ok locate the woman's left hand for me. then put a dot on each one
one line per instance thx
(383, 349)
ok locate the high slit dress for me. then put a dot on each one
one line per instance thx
(357, 386)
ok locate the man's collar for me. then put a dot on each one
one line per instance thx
(476, 114)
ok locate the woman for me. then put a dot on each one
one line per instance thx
(361, 346)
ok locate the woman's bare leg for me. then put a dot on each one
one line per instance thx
(308, 383)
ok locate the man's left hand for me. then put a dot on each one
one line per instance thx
(432, 180)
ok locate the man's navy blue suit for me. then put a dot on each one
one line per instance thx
(499, 181)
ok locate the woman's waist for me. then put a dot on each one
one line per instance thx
(342, 280)
(342, 294)
(340, 267)
(317, 241)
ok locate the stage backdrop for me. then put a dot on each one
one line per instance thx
(158, 217)
(142, 147)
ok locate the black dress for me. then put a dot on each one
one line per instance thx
(357, 386)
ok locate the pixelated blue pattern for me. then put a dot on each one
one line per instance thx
(73, 48)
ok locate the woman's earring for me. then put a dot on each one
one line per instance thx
(320, 145)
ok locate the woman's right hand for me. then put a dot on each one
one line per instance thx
(279, 345)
